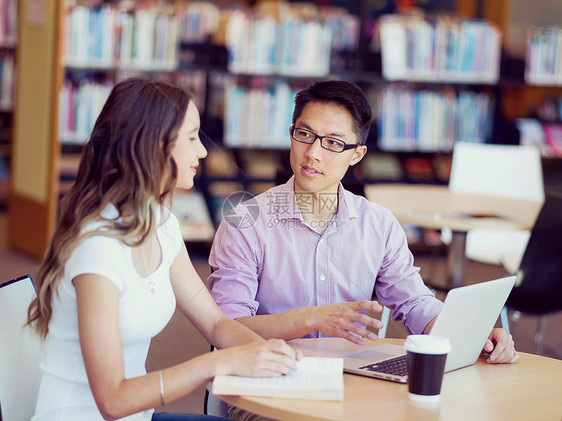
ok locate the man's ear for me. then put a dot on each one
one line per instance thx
(358, 154)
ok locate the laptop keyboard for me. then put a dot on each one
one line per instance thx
(395, 366)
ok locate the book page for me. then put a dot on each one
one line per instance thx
(291, 381)
(320, 365)
(314, 378)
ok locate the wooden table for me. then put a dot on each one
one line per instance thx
(432, 206)
(531, 389)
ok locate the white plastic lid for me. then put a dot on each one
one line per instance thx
(427, 344)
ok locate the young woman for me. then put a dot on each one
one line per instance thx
(117, 268)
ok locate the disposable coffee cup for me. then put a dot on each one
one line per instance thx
(426, 356)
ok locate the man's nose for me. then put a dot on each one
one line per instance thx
(314, 150)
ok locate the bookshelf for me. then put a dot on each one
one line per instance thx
(542, 124)
(35, 149)
(8, 38)
(421, 105)
(80, 66)
(409, 145)
(121, 42)
(532, 94)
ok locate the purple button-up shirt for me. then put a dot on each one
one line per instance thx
(267, 259)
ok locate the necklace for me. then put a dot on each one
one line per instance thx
(148, 265)
(151, 284)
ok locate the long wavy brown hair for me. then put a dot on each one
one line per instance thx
(126, 162)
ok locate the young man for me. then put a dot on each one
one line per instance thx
(309, 262)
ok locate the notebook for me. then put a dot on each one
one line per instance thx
(468, 315)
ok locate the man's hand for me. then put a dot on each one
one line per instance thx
(501, 348)
(340, 320)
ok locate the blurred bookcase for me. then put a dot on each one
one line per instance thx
(433, 72)
(8, 42)
(109, 43)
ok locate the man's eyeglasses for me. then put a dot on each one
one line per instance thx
(330, 143)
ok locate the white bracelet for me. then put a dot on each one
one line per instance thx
(161, 387)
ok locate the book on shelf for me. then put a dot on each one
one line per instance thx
(544, 56)
(260, 164)
(79, 107)
(6, 83)
(258, 117)
(553, 136)
(378, 166)
(419, 169)
(89, 36)
(431, 120)
(143, 39)
(220, 162)
(191, 210)
(8, 22)
(547, 137)
(290, 39)
(440, 48)
(317, 378)
(197, 21)
(4, 177)
(305, 48)
(250, 41)
(532, 133)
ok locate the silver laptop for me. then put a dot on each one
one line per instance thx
(468, 315)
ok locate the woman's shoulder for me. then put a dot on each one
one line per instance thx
(99, 254)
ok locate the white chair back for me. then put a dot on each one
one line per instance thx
(497, 170)
(213, 405)
(20, 352)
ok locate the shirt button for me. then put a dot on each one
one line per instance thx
(322, 277)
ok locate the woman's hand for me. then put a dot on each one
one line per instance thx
(269, 358)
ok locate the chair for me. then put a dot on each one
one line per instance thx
(538, 288)
(20, 352)
(496, 170)
(213, 405)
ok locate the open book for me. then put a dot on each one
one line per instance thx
(315, 378)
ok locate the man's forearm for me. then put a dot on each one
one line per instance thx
(429, 326)
(290, 325)
(229, 333)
